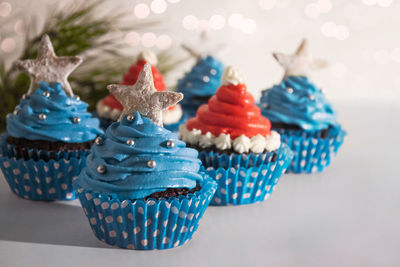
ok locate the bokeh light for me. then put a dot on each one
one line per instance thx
(5, 9)
(174, 1)
(190, 22)
(311, 10)
(132, 38)
(342, 32)
(249, 26)
(158, 6)
(8, 45)
(329, 29)
(324, 6)
(267, 4)
(19, 27)
(217, 22)
(164, 42)
(236, 20)
(142, 11)
(149, 39)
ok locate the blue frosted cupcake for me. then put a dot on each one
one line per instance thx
(299, 111)
(236, 144)
(49, 134)
(200, 83)
(142, 187)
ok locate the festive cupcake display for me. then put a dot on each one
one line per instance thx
(200, 83)
(237, 147)
(300, 112)
(50, 132)
(142, 187)
(109, 109)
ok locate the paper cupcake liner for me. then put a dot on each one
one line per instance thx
(248, 179)
(39, 179)
(312, 153)
(146, 224)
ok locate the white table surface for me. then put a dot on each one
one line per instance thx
(347, 216)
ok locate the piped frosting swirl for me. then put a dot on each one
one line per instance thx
(230, 120)
(138, 158)
(49, 114)
(297, 101)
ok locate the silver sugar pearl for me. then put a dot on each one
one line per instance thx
(101, 169)
(129, 117)
(24, 96)
(265, 105)
(170, 144)
(16, 112)
(42, 116)
(151, 164)
(206, 79)
(46, 94)
(311, 97)
(98, 140)
(130, 142)
(289, 90)
(77, 120)
(213, 71)
(77, 97)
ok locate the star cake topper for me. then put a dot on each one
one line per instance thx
(143, 97)
(48, 67)
(301, 63)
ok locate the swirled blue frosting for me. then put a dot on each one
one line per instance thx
(201, 82)
(305, 105)
(127, 173)
(60, 111)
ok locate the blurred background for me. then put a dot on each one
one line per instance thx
(358, 38)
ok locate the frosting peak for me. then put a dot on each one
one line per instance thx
(138, 158)
(296, 100)
(48, 114)
(233, 76)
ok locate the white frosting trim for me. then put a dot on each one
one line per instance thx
(169, 116)
(148, 56)
(172, 116)
(232, 75)
(241, 144)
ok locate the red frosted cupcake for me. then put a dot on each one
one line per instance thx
(236, 144)
(109, 109)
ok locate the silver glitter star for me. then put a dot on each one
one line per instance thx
(48, 67)
(300, 63)
(143, 97)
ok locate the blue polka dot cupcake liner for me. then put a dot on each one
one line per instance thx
(312, 152)
(245, 179)
(38, 179)
(146, 224)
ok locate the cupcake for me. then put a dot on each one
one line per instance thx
(200, 83)
(299, 111)
(109, 109)
(142, 187)
(236, 145)
(50, 132)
